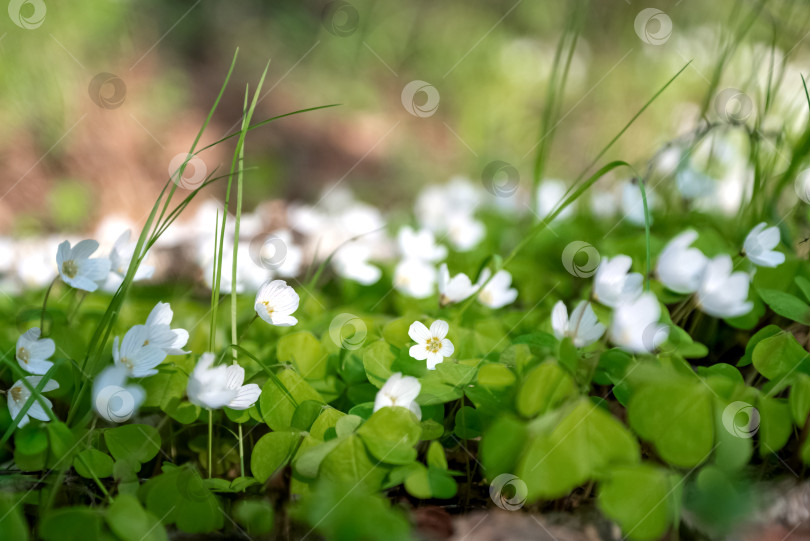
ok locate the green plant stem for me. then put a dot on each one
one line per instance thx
(44, 309)
(241, 451)
(210, 442)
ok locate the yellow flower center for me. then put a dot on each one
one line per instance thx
(126, 362)
(269, 308)
(486, 297)
(433, 345)
(16, 394)
(70, 268)
(23, 355)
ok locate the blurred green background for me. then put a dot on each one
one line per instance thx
(69, 161)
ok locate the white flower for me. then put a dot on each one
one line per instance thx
(633, 204)
(160, 333)
(454, 289)
(19, 394)
(138, 358)
(401, 392)
(415, 278)
(77, 269)
(497, 293)
(437, 203)
(583, 327)
(635, 324)
(420, 245)
(680, 267)
(723, 293)
(113, 399)
(33, 352)
(550, 194)
(291, 259)
(613, 284)
(431, 344)
(464, 231)
(351, 262)
(121, 255)
(759, 246)
(693, 184)
(275, 303)
(217, 386)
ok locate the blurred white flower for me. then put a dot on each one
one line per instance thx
(723, 293)
(33, 352)
(759, 246)
(138, 358)
(613, 284)
(293, 257)
(437, 204)
(583, 327)
(680, 267)
(215, 387)
(415, 278)
(33, 258)
(121, 255)
(275, 303)
(464, 231)
(401, 392)
(113, 399)
(351, 262)
(497, 293)
(19, 394)
(77, 269)
(454, 289)
(431, 344)
(635, 325)
(420, 245)
(633, 204)
(550, 194)
(603, 203)
(160, 333)
(692, 183)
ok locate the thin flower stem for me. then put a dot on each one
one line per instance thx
(210, 441)
(44, 308)
(241, 451)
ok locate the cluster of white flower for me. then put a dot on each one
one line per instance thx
(718, 290)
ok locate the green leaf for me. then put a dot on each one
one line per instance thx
(495, 375)
(502, 444)
(255, 516)
(786, 305)
(436, 457)
(12, 521)
(32, 439)
(426, 483)
(93, 462)
(677, 417)
(327, 419)
(804, 285)
(545, 387)
(71, 524)
(639, 498)
(377, 360)
(799, 399)
(304, 351)
(280, 398)
(309, 461)
(349, 463)
(468, 424)
(733, 447)
(777, 356)
(390, 435)
(583, 445)
(134, 443)
(347, 424)
(179, 496)
(775, 424)
(305, 414)
(131, 522)
(271, 453)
